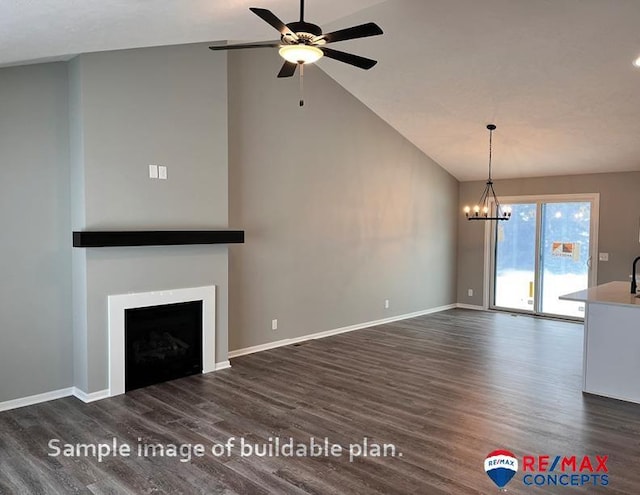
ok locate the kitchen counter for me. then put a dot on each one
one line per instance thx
(611, 359)
(616, 293)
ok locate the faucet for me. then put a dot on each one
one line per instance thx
(634, 285)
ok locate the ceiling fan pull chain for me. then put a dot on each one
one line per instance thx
(301, 85)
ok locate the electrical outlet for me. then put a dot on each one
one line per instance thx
(470, 292)
(153, 171)
(274, 324)
(386, 304)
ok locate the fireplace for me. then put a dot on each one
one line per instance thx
(162, 343)
(159, 336)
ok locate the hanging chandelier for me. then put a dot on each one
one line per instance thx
(482, 210)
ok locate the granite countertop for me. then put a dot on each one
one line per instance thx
(613, 293)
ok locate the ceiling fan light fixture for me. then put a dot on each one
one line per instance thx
(300, 54)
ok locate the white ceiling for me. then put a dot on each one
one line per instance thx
(555, 76)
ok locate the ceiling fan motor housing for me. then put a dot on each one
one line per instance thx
(304, 30)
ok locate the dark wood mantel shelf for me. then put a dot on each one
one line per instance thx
(91, 239)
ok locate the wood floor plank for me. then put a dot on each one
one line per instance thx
(446, 389)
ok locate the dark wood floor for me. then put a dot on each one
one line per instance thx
(446, 389)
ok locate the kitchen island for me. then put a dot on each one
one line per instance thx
(611, 359)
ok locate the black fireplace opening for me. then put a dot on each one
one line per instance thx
(162, 343)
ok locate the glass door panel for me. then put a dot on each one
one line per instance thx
(565, 255)
(515, 259)
(541, 253)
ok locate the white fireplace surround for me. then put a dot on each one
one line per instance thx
(120, 302)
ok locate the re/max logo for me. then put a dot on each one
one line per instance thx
(574, 464)
(502, 462)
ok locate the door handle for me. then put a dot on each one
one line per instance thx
(589, 261)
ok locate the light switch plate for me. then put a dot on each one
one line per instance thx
(603, 256)
(162, 172)
(153, 171)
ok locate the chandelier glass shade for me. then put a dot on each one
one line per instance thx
(488, 208)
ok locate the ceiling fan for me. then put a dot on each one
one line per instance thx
(303, 43)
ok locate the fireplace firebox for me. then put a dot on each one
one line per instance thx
(162, 343)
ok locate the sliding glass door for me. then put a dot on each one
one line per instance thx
(542, 252)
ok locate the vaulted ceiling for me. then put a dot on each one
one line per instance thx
(555, 76)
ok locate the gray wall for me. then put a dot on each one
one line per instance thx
(35, 252)
(78, 256)
(165, 106)
(340, 211)
(618, 226)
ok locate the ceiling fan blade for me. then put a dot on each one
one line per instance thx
(361, 31)
(349, 58)
(267, 44)
(288, 69)
(272, 19)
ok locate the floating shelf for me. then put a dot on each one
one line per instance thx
(91, 239)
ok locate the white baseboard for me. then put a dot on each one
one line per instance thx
(102, 394)
(329, 333)
(223, 365)
(92, 397)
(53, 395)
(36, 399)
(72, 391)
(470, 306)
